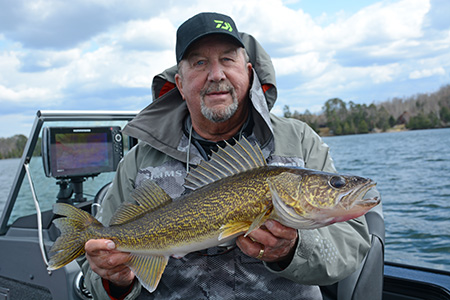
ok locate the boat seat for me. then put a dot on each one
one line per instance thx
(366, 283)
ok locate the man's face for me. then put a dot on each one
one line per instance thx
(214, 78)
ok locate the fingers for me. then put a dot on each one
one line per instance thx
(270, 243)
(248, 246)
(281, 231)
(109, 263)
(122, 278)
(96, 247)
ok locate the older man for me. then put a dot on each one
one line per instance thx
(217, 95)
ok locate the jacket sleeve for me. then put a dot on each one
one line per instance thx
(119, 191)
(329, 254)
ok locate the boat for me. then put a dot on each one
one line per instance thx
(27, 231)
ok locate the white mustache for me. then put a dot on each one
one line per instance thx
(217, 88)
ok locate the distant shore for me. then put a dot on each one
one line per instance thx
(325, 131)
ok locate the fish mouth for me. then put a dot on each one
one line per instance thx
(358, 195)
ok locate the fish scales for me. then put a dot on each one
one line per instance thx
(233, 193)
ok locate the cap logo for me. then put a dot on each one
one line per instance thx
(223, 25)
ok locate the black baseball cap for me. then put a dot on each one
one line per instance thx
(202, 25)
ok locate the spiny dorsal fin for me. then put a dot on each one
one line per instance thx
(149, 197)
(227, 161)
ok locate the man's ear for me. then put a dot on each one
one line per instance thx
(250, 73)
(179, 84)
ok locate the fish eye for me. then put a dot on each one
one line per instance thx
(337, 182)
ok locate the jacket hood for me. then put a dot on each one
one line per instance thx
(259, 58)
(160, 123)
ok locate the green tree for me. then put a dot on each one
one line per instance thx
(434, 120)
(363, 127)
(335, 112)
(392, 121)
(444, 113)
(371, 117)
(422, 121)
(382, 118)
(338, 129)
(348, 128)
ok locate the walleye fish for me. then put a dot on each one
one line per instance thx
(233, 193)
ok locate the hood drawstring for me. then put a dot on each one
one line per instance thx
(188, 152)
(205, 147)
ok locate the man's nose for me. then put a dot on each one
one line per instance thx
(216, 72)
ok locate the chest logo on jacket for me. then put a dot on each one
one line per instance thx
(169, 176)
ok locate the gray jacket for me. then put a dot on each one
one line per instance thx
(323, 256)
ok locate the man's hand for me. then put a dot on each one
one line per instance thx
(108, 262)
(272, 242)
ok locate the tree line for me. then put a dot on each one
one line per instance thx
(421, 111)
(13, 146)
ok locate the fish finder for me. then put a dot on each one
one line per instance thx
(72, 154)
(69, 151)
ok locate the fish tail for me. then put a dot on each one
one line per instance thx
(74, 234)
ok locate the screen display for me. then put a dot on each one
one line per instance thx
(78, 151)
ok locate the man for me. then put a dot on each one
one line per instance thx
(219, 96)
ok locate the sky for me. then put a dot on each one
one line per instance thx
(103, 54)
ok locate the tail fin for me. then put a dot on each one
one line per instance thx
(70, 244)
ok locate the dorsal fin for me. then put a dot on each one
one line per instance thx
(149, 197)
(227, 161)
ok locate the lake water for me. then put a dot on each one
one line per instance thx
(412, 169)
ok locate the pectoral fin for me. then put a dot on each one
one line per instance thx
(233, 229)
(258, 221)
(148, 269)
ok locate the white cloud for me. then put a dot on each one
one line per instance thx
(310, 64)
(21, 95)
(42, 60)
(380, 22)
(21, 89)
(110, 66)
(151, 34)
(427, 73)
